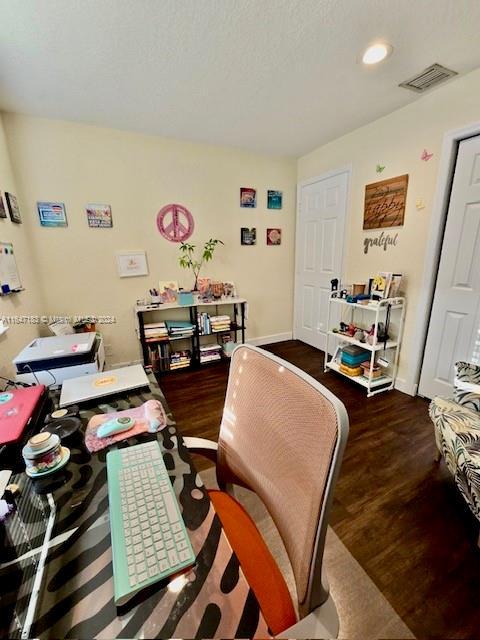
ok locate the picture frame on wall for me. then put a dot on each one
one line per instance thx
(99, 216)
(274, 237)
(131, 264)
(248, 197)
(13, 208)
(52, 214)
(274, 199)
(3, 211)
(248, 236)
(385, 203)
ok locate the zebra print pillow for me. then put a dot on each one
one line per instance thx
(467, 385)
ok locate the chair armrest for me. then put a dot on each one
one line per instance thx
(202, 446)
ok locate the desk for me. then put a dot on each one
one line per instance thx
(76, 599)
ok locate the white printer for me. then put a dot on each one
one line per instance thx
(54, 359)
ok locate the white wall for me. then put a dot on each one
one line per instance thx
(28, 302)
(397, 141)
(138, 174)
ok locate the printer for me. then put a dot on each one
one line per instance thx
(54, 359)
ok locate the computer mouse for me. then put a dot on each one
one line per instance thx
(117, 425)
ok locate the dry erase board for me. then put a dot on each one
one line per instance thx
(8, 267)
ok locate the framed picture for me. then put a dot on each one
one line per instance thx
(168, 290)
(381, 285)
(13, 208)
(274, 237)
(274, 199)
(131, 264)
(52, 214)
(99, 216)
(248, 236)
(248, 197)
(3, 211)
(385, 203)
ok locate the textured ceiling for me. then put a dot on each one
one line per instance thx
(276, 76)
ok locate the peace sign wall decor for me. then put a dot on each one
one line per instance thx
(175, 222)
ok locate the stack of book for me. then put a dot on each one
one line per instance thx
(220, 323)
(155, 331)
(179, 329)
(351, 359)
(180, 360)
(210, 353)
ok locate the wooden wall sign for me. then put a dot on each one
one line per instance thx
(385, 203)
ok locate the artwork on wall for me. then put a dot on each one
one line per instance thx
(274, 199)
(131, 264)
(99, 216)
(248, 236)
(248, 197)
(3, 211)
(385, 203)
(426, 156)
(52, 214)
(175, 222)
(274, 237)
(384, 241)
(13, 208)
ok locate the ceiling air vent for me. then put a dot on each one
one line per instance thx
(428, 78)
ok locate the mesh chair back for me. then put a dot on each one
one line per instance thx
(282, 436)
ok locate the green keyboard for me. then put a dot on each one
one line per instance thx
(149, 538)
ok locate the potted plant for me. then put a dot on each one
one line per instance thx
(188, 260)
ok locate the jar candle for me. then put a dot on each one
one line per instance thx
(42, 452)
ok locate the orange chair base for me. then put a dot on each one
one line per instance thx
(258, 565)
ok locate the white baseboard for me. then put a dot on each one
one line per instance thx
(276, 337)
(402, 385)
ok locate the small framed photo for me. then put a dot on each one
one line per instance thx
(248, 197)
(3, 211)
(13, 208)
(248, 236)
(99, 216)
(132, 263)
(274, 237)
(274, 199)
(52, 214)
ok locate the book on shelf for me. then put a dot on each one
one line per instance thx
(179, 328)
(180, 359)
(160, 357)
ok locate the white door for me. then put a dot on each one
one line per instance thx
(319, 253)
(453, 332)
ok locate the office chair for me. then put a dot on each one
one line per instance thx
(282, 436)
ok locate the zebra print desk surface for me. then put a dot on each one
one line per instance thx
(77, 596)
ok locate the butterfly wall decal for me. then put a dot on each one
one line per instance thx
(426, 156)
(380, 168)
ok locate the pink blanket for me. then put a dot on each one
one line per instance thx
(149, 417)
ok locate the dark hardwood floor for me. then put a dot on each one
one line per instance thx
(395, 509)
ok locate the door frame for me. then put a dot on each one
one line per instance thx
(304, 183)
(441, 201)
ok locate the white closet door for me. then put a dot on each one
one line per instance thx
(453, 332)
(319, 253)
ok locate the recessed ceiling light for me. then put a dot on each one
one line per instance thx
(376, 53)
